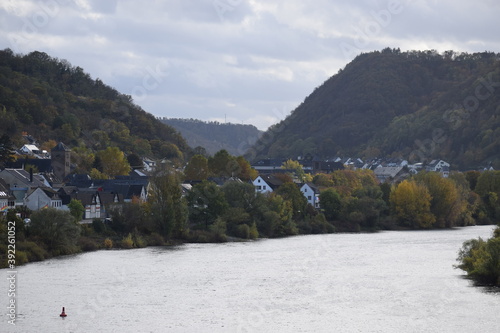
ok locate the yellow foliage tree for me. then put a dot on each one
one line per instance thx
(411, 203)
(114, 162)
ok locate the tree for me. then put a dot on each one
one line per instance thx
(113, 162)
(296, 168)
(246, 172)
(168, 207)
(206, 202)
(290, 191)
(134, 161)
(411, 204)
(6, 151)
(56, 229)
(76, 209)
(197, 168)
(222, 164)
(330, 203)
(445, 201)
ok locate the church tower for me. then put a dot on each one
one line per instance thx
(60, 160)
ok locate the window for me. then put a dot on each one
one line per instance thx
(258, 181)
(259, 187)
(309, 198)
(264, 187)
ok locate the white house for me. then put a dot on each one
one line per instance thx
(30, 150)
(311, 192)
(39, 198)
(439, 166)
(266, 183)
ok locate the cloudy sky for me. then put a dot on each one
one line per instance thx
(244, 61)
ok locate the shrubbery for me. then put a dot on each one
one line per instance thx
(481, 259)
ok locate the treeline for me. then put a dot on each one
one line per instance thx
(418, 105)
(50, 99)
(214, 136)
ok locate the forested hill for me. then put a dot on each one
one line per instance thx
(52, 100)
(214, 136)
(417, 105)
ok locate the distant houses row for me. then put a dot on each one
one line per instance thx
(384, 169)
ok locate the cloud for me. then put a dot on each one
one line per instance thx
(235, 59)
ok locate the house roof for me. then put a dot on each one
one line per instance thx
(60, 147)
(387, 171)
(21, 178)
(312, 186)
(272, 181)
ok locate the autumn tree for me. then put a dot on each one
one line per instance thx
(296, 169)
(246, 172)
(445, 200)
(411, 204)
(113, 162)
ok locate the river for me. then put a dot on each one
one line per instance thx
(382, 282)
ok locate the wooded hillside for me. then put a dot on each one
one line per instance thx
(417, 105)
(49, 98)
(214, 136)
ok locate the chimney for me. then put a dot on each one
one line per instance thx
(31, 175)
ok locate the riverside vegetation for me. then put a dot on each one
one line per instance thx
(351, 200)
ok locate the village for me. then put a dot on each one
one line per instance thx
(55, 185)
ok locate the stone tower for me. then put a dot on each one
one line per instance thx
(60, 160)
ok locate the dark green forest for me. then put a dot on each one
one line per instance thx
(416, 105)
(50, 99)
(214, 136)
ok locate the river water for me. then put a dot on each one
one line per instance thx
(383, 282)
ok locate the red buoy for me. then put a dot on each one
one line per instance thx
(63, 314)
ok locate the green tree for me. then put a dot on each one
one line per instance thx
(113, 161)
(290, 191)
(134, 161)
(296, 168)
(206, 201)
(330, 203)
(56, 229)
(6, 150)
(411, 204)
(222, 164)
(197, 168)
(168, 207)
(76, 209)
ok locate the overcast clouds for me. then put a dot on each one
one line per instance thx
(252, 60)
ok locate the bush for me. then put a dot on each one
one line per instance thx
(34, 252)
(21, 258)
(253, 232)
(243, 231)
(139, 241)
(481, 260)
(108, 243)
(127, 242)
(87, 244)
(98, 226)
(155, 239)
